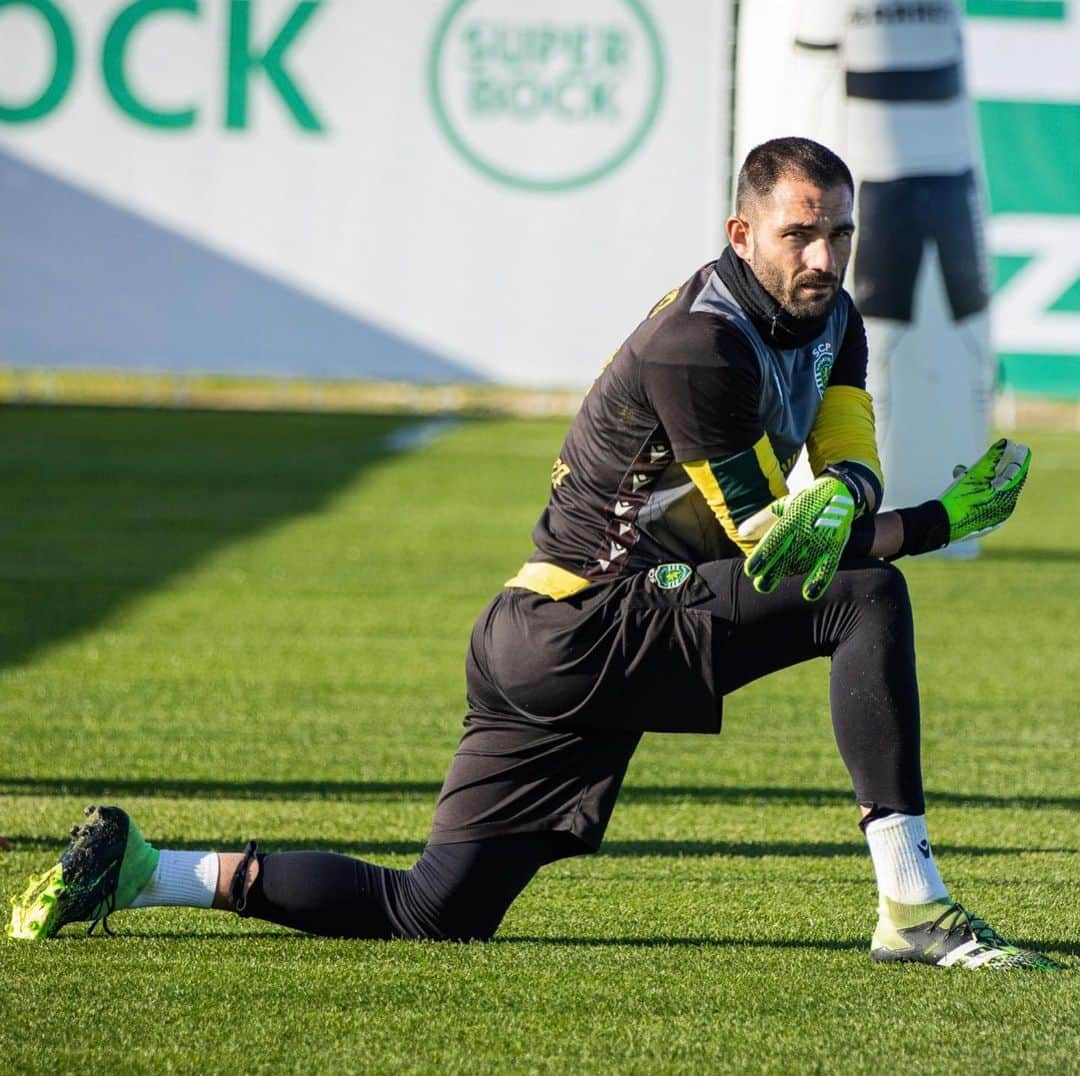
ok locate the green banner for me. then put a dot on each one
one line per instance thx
(1022, 73)
(1032, 152)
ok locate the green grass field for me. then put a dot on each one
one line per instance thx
(253, 625)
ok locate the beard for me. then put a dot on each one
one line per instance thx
(795, 295)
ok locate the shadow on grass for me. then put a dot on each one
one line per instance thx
(292, 937)
(821, 797)
(1031, 554)
(183, 788)
(1039, 945)
(122, 930)
(170, 787)
(611, 849)
(109, 503)
(687, 943)
(797, 849)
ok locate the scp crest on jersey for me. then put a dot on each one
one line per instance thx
(823, 364)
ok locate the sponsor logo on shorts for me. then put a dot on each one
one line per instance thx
(669, 576)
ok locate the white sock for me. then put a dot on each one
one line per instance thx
(181, 878)
(903, 862)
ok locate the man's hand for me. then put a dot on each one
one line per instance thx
(809, 536)
(983, 497)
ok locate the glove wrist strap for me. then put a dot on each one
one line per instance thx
(853, 486)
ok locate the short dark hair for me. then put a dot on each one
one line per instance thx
(784, 158)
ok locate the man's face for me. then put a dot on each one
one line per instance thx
(797, 240)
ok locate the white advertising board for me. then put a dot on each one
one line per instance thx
(438, 190)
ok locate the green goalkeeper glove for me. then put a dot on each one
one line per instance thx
(809, 536)
(983, 497)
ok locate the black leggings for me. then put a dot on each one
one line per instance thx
(462, 891)
(864, 624)
(454, 892)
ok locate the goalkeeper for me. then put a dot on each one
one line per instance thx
(672, 566)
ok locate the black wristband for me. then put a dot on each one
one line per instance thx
(926, 528)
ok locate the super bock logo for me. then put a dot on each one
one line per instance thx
(823, 364)
(546, 95)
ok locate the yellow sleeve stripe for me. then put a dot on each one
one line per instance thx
(844, 430)
(665, 300)
(701, 474)
(770, 468)
(548, 579)
(738, 488)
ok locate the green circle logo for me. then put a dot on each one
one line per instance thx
(670, 576)
(546, 95)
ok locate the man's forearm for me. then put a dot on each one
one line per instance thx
(901, 532)
(888, 534)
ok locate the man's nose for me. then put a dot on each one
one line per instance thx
(819, 256)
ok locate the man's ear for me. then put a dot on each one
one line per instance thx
(741, 237)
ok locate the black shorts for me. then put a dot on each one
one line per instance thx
(559, 693)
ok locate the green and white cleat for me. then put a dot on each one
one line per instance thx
(947, 935)
(983, 496)
(104, 868)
